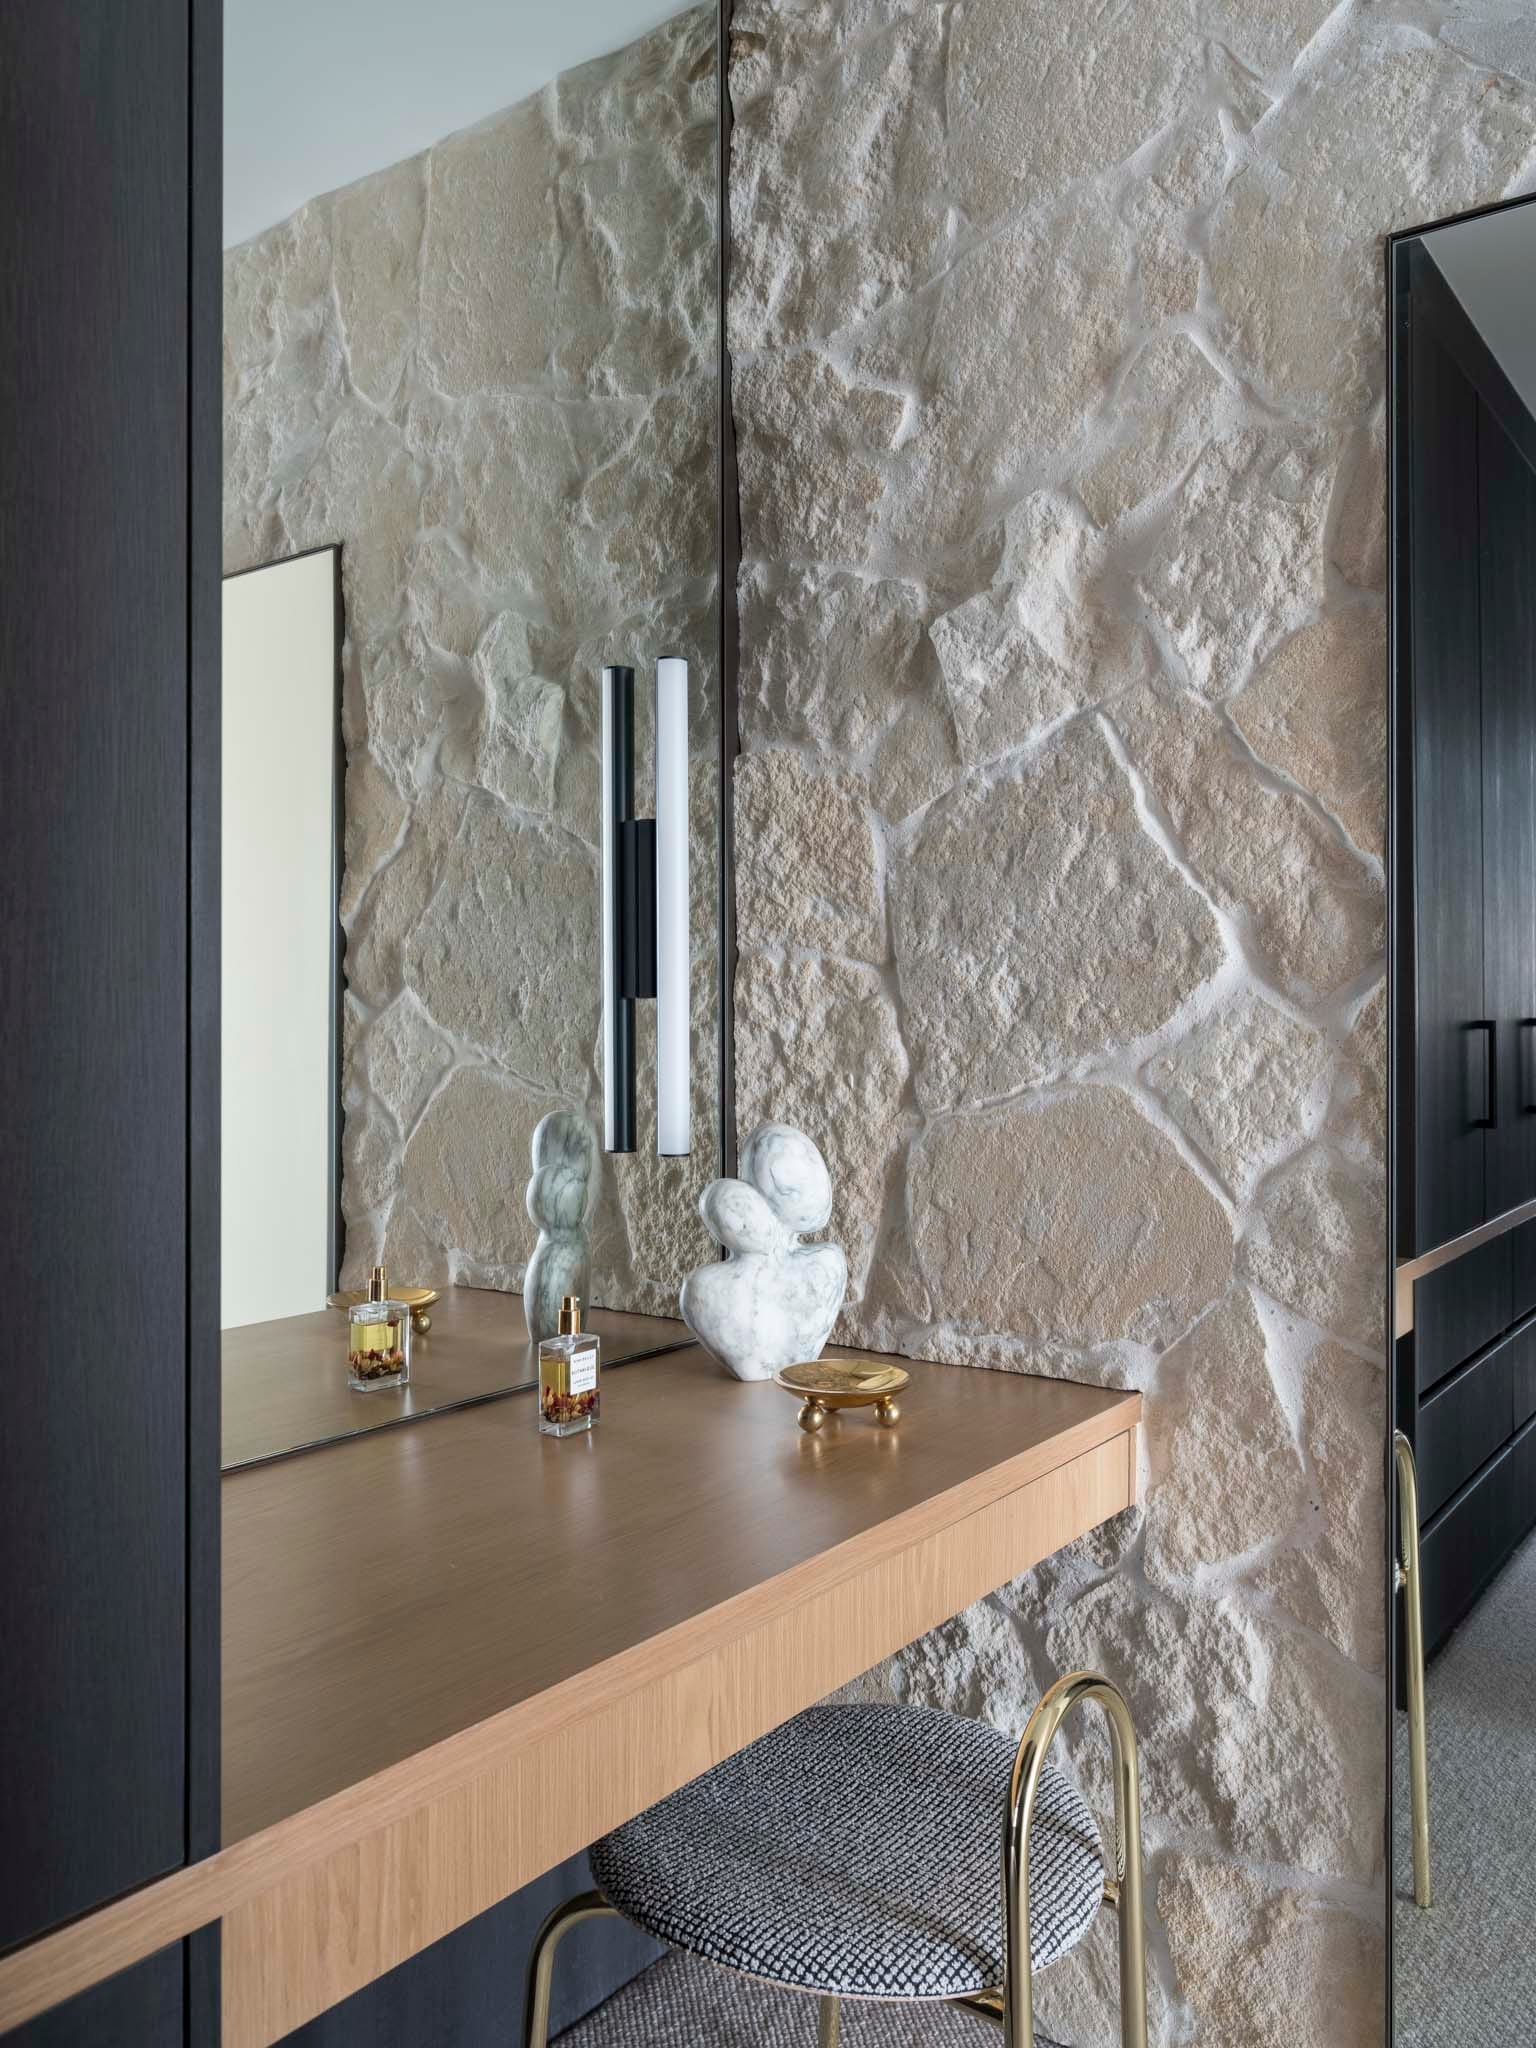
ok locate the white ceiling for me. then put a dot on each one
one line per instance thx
(320, 92)
(1490, 264)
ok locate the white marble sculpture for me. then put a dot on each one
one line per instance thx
(772, 1300)
(561, 1195)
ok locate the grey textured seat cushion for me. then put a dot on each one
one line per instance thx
(858, 1851)
(683, 2003)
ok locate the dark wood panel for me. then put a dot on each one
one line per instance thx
(93, 927)
(1507, 607)
(1402, 953)
(138, 2008)
(1460, 1308)
(1452, 1080)
(204, 622)
(205, 773)
(1463, 1423)
(1523, 1269)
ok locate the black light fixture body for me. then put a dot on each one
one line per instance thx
(636, 900)
(622, 967)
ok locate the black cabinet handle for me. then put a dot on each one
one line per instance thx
(1489, 1119)
(1523, 1066)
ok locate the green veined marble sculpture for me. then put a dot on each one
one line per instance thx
(561, 1197)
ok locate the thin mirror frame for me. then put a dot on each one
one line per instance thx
(728, 551)
(1399, 965)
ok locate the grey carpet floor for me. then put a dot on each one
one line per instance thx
(1465, 1974)
(680, 2003)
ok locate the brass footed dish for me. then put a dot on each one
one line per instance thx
(417, 1299)
(832, 1383)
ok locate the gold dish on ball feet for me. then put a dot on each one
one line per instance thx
(832, 1383)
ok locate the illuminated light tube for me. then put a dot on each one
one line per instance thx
(673, 1089)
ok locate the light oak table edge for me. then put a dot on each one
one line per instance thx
(413, 1852)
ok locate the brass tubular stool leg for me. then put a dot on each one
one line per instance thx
(829, 2023)
(989, 2004)
(1018, 1987)
(541, 1964)
(1413, 1614)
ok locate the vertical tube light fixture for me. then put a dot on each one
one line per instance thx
(645, 907)
(673, 1119)
(618, 782)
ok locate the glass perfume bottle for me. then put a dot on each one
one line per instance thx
(568, 1391)
(378, 1339)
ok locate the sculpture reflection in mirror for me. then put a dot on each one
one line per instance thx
(772, 1301)
(561, 1198)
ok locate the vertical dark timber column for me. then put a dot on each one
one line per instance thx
(108, 1462)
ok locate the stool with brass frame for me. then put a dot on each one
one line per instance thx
(1407, 1581)
(1010, 2004)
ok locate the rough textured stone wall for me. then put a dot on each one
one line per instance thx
(489, 372)
(1058, 349)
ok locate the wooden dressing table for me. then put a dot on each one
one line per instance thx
(455, 1653)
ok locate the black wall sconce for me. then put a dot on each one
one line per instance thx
(645, 909)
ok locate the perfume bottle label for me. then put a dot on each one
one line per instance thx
(583, 1371)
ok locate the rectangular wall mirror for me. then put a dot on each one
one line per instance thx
(279, 1212)
(471, 457)
(1463, 327)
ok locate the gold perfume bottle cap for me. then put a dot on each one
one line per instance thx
(570, 1315)
(376, 1285)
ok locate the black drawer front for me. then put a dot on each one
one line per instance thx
(1463, 1422)
(1523, 1258)
(1463, 1550)
(1460, 1308)
(1522, 1374)
(1520, 1487)
(1473, 1537)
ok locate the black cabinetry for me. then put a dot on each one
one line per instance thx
(1506, 480)
(1468, 1071)
(1452, 1071)
(108, 1451)
(1466, 895)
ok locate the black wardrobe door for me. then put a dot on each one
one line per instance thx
(1507, 491)
(93, 951)
(1454, 1080)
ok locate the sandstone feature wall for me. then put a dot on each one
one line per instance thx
(1058, 355)
(489, 372)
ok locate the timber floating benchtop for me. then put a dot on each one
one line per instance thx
(456, 1653)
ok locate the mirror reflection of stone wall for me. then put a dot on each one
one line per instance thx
(489, 371)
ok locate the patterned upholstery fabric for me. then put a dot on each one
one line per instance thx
(683, 2003)
(857, 1851)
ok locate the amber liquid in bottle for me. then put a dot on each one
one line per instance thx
(378, 1340)
(568, 1366)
